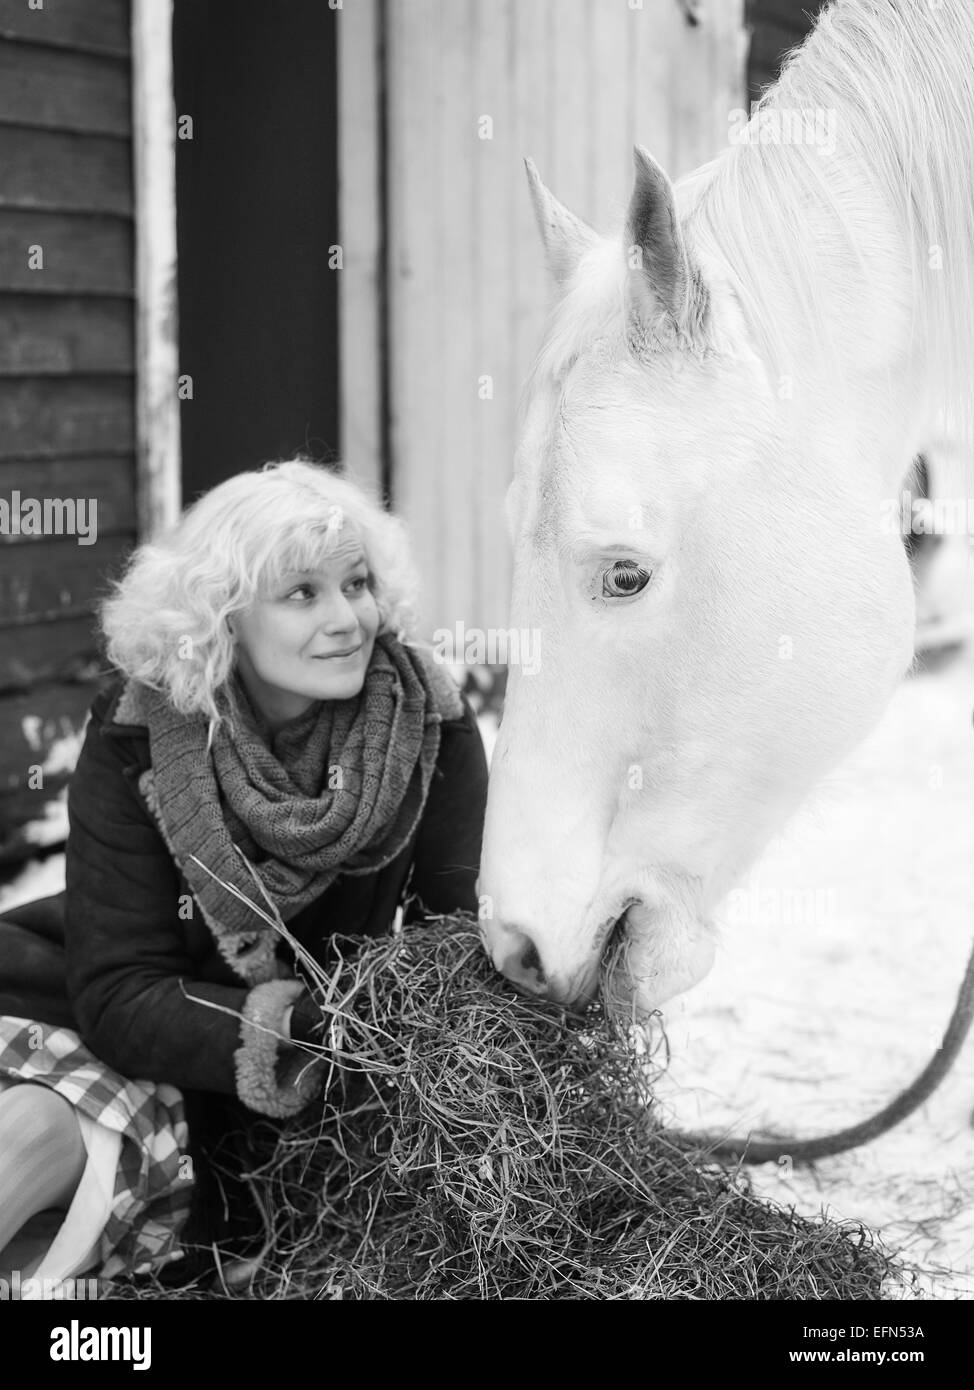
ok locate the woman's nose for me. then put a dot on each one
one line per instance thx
(339, 617)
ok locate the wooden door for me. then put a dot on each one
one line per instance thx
(257, 214)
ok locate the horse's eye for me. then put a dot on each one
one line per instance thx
(626, 577)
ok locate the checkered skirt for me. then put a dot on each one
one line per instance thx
(154, 1179)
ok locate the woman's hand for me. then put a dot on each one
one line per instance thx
(305, 1024)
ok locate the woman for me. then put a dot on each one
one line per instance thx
(270, 717)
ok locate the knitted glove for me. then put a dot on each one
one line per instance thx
(307, 1023)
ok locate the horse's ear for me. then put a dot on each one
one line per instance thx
(662, 278)
(566, 237)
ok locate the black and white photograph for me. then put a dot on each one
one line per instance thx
(487, 663)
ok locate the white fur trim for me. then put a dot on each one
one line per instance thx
(273, 1076)
(128, 708)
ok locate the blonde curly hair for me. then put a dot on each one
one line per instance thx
(165, 622)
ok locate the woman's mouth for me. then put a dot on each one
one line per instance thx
(342, 655)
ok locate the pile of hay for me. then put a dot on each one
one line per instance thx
(474, 1144)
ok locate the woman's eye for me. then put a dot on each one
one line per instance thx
(302, 591)
(360, 583)
(625, 578)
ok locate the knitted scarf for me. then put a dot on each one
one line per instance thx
(338, 790)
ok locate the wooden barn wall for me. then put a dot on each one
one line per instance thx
(470, 89)
(66, 378)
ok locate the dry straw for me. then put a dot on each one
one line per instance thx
(474, 1144)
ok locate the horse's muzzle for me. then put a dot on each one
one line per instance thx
(518, 958)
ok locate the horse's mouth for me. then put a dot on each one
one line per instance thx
(615, 937)
(613, 927)
(629, 989)
(610, 938)
(619, 933)
(652, 954)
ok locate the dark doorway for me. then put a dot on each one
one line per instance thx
(776, 26)
(257, 210)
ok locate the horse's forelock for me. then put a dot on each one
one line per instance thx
(589, 309)
(591, 317)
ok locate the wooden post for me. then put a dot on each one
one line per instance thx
(158, 482)
(362, 303)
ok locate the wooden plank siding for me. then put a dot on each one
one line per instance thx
(105, 478)
(44, 416)
(573, 84)
(67, 363)
(60, 171)
(96, 26)
(47, 88)
(82, 253)
(64, 335)
(54, 579)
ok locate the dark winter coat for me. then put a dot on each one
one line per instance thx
(125, 959)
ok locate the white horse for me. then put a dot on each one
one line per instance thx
(727, 400)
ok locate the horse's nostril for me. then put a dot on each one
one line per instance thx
(522, 965)
(531, 961)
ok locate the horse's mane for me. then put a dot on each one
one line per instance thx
(898, 76)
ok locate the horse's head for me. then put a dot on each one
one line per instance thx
(720, 613)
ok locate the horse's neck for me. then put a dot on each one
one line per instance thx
(856, 268)
(861, 369)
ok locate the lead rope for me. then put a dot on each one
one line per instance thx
(807, 1150)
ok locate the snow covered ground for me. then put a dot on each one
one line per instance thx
(38, 878)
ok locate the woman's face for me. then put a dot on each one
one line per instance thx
(290, 642)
